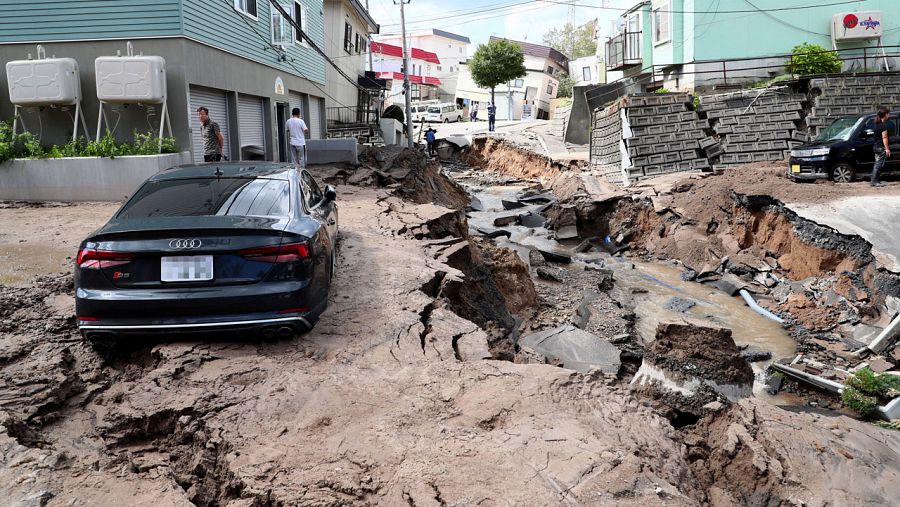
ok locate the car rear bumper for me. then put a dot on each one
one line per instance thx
(809, 168)
(199, 309)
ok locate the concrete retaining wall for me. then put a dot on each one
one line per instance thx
(82, 178)
(331, 151)
(391, 131)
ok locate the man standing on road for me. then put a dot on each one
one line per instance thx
(882, 148)
(492, 115)
(212, 137)
(429, 139)
(298, 130)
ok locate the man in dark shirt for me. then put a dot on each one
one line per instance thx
(492, 115)
(884, 127)
(212, 137)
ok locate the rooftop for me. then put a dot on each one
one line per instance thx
(538, 50)
(415, 53)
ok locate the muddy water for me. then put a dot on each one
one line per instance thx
(649, 287)
(42, 260)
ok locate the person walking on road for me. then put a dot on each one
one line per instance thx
(492, 115)
(474, 115)
(882, 148)
(297, 129)
(429, 139)
(212, 137)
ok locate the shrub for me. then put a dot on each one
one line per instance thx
(813, 59)
(393, 111)
(25, 145)
(866, 388)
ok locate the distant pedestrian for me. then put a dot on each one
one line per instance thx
(429, 139)
(884, 127)
(212, 137)
(492, 116)
(474, 115)
(297, 129)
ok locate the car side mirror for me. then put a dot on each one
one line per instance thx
(867, 134)
(330, 193)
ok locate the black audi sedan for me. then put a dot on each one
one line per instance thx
(211, 247)
(843, 151)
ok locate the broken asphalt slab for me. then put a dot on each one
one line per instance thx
(577, 350)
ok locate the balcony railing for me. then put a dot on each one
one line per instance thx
(623, 50)
(350, 116)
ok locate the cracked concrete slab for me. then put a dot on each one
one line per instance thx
(872, 217)
(578, 350)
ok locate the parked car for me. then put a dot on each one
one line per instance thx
(419, 112)
(443, 113)
(209, 247)
(843, 151)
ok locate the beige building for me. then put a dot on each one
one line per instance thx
(451, 51)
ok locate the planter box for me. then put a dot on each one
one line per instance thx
(81, 178)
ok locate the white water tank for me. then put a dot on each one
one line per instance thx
(130, 79)
(43, 82)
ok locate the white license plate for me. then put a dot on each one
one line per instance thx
(188, 268)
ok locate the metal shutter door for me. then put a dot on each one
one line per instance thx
(250, 122)
(296, 100)
(215, 101)
(315, 118)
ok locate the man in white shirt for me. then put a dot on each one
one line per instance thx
(298, 130)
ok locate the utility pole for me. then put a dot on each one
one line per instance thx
(406, 90)
(369, 44)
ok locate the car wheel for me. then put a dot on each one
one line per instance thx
(458, 119)
(446, 120)
(842, 173)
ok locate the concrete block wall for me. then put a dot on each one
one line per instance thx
(760, 125)
(606, 143)
(665, 134)
(839, 95)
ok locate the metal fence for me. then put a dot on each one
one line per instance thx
(623, 49)
(350, 115)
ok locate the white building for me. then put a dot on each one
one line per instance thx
(543, 65)
(450, 49)
(387, 62)
(588, 70)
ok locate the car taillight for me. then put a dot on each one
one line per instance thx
(288, 252)
(90, 258)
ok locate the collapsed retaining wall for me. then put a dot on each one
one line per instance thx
(839, 95)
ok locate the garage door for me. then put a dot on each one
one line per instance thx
(296, 100)
(250, 125)
(215, 101)
(315, 117)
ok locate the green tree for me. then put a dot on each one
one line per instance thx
(813, 59)
(497, 62)
(572, 42)
(566, 83)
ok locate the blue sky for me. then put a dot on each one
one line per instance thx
(519, 20)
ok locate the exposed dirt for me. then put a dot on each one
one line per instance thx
(387, 401)
(504, 157)
(698, 350)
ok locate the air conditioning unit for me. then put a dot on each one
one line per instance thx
(43, 82)
(130, 79)
(850, 26)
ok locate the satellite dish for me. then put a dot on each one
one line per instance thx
(620, 25)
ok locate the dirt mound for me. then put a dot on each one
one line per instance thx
(511, 276)
(502, 156)
(700, 350)
(426, 184)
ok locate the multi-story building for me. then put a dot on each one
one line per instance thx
(533, 91)
(451, 50)
(587, 70)
(387, 63)
(242, 59)
(685, 44)
(350, 28)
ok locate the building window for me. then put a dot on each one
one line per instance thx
(586, 73)
(517, 83)
(358, 43)
(460, 50)
(549, 70)
(247, 7)
(550, 89)
(661, 24)
(300, 16)
(348, 37)
(281, 29)
(439, 68)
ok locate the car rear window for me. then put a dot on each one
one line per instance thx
(209, 196)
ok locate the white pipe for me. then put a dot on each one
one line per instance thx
(824, 383)
(758, 309)
(881, 341)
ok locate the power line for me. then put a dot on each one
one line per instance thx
(465, 13)
(756, 9)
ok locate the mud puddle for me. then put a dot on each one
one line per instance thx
(654, 290)
(42, 260)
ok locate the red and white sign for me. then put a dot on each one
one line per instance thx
(857, 25)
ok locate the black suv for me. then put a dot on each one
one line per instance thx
(843, 151)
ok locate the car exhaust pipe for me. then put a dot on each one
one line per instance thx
(285, 332)
(268, 333)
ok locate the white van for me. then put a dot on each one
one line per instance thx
(418, 112)
(443, 113)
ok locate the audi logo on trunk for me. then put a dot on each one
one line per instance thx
(183, 244)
